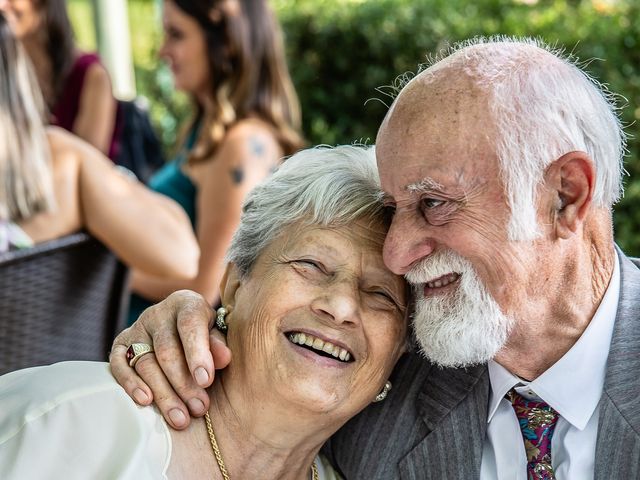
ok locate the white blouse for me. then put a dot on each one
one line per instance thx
(71, 420)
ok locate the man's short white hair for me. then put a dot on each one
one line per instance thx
(543, 106)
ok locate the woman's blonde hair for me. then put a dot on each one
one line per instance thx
(248, 71)
(26, 182)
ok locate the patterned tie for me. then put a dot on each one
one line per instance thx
(537, 421)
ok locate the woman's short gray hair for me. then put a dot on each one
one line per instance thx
(320, 186)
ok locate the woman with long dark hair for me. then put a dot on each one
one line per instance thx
(228, 56)
(75, 86)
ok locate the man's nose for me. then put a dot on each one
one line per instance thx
(408, 241)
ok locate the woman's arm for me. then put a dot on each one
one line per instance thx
(246, 156)
(97, 110)
(146, 230)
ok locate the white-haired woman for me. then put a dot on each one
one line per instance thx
(315, 322)
(53, 184)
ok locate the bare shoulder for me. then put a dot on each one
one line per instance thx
(97, 78)
(250, 139)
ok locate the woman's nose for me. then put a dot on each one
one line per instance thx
(340, 302)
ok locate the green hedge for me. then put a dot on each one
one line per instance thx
(342, 54)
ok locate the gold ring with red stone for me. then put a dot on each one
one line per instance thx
(137, 350)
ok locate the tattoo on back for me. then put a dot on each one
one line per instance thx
(256, 146)
(237, 175)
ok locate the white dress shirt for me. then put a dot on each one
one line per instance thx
(572, 387)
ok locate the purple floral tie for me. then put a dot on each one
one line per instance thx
(537, 421)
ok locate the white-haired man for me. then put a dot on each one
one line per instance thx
(501, 163)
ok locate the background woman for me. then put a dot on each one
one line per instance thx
(75, 86)
(53, 184)
(315, 322)
(228, 55)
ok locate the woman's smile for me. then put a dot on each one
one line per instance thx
(322, 346)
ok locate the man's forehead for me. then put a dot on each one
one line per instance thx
(446, 172)
(435, 128)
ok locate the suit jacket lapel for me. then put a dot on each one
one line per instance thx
(618, 444)
(453, 406)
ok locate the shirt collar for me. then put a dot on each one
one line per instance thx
(573, 385)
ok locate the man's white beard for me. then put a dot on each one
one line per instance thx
(463, 328)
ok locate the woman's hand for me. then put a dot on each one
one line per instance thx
(183, 365)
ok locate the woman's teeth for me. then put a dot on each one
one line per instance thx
(321, 345)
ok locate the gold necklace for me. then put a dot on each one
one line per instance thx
(218, 455)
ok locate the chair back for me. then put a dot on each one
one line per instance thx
(61, 300)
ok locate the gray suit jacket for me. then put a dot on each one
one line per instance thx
(433, 423)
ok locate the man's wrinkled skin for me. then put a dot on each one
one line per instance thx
(192, 325)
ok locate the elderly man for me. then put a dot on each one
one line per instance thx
(501, 163)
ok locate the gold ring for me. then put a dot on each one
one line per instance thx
(137, 350)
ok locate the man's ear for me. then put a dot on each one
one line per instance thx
(571, 178)
(229, 286)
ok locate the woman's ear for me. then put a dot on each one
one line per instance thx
(229, 286)
(571, 178)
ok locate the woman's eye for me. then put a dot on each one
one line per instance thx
(384, 296)
(174, 34)
(309, 265)
(309, 262)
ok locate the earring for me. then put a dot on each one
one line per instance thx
(221, 324)
(383, 394)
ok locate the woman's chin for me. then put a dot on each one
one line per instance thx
(317, 396)
(317, 382)
(325, 395)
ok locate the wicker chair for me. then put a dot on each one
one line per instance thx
(61, 300)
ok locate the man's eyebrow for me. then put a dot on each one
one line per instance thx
(426, 185)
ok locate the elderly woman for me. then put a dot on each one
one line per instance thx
(315, 323)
